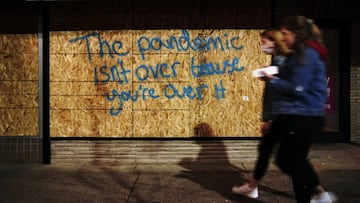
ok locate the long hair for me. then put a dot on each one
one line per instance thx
(304, 29)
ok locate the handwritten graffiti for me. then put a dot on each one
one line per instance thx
(157, 70)
(113, 49)
(111, 74)
(122, 96)
(209, 68)
(184, 43)
(119, 73)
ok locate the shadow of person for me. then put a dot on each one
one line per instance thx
(212, 168)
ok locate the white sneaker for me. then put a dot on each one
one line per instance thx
(324, 197)
(245, 190)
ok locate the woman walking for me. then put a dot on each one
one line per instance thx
(299, 107)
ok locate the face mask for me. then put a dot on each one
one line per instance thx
(267, 49)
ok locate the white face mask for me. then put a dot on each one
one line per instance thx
(267, 49)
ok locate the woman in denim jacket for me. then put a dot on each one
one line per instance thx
(299, 106)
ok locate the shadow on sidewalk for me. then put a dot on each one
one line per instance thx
(223, 175)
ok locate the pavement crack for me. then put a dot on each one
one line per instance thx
(133, 187)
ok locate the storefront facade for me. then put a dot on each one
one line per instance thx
(146, 82)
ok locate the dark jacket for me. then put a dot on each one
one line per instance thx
(301, 85)
(269, 94)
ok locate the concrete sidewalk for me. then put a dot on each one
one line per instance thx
(338, 165)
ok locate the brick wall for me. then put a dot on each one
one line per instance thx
(355, 104)
(132, 152)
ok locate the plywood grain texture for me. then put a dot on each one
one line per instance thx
(19, 98)
(155, 83)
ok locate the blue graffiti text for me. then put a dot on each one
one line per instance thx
(209, 68)
(164, 70)
(170, 91)
(119, 97)
(106, 74)
(114, 48)
(184, 43)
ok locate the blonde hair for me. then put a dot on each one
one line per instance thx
(315, 33)
(275, 36)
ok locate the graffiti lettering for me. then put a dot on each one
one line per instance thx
(123, 96)
(111, 74)
(113, 49)
(209, 68)
(184, 43)
(142, 72)
(170, 91)
(219, 91)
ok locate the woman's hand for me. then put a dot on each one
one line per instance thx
(266, 77)
(266, 127)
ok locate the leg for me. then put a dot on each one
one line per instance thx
(266, 146)
(301, 170)
(304, 176)
(283, 156)
(292, 154)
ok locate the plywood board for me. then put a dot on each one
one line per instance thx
(19, 93)
(156, 83)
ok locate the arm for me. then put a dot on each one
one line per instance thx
(299, 77)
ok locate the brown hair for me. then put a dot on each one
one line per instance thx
(276, 36)
(304, 29)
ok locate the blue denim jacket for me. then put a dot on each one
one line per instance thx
(301, 86)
